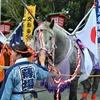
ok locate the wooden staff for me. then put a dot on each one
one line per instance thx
(80, 75)
(71, 75)
(28, 10)
(4, 67)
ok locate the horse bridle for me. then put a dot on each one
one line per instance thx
(42, 44)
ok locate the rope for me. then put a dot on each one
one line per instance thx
(59, 81)
(80, 75)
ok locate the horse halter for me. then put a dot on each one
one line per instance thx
(42, 44)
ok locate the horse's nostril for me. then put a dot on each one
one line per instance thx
(45, 42)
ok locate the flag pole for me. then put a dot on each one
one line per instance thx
(82, 20)
(3, 37)
(15, 31)
(28, 10)
(0, 11)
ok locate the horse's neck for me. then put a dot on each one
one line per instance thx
(63, 45)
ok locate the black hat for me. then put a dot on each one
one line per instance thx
(21, 49)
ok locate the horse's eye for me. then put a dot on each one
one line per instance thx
(50, 38)
(40, 30)
(37, 31)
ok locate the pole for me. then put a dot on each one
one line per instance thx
(0, 11)
(28, 10)
(9, 38)
(82, 20)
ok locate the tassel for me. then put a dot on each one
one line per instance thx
(93, 97)
(84, 95)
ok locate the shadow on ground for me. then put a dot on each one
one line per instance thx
(45, 95)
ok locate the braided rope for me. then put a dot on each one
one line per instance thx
(59, 81)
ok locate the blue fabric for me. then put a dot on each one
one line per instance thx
(21, 77)
(6, 76)
(17, 36)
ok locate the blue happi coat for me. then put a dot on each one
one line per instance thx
(20, 79)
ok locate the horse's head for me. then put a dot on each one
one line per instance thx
(44, 39)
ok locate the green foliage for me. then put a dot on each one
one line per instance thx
(12, 10)
(75, 10)
(42, 7)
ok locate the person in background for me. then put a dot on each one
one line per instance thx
(5, 59)
(20, 78)
(1, 64)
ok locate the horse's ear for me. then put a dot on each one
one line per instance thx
(52, 24)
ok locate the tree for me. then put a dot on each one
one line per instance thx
(12, 10)
(75, 10)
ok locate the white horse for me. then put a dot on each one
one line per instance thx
(65, 55)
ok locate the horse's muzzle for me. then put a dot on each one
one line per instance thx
(42, 51)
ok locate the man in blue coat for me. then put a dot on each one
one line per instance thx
(20, 78)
